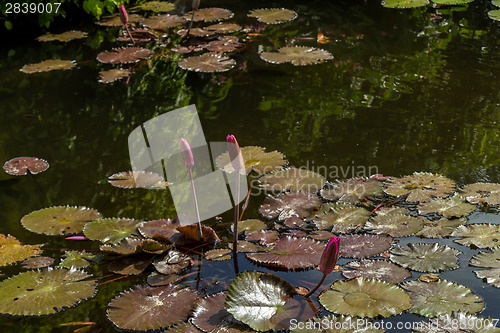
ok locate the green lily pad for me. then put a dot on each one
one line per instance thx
(48, 65)
(495, 3)
(492, 276)
(340, 324)
(404, 3)
(151, 308)
(287, 206)
(365, 298)
(162, 22)
(420, 187)
(256, 159)
(155, 6)
(424, 257)
(19, 166)
(449, 207)
(207, 63)
(364, 246)
(254, 298)
(59, 220)
(487, 259)
(432, 299)
(297, 55)
(249, 226)
(37, 262)
(483, 193)
(452, 2)
(244, 246)
(395, 225)
(223, 28)
(457, 322)
(273, 15)
(209, 15)
(63, 37)
(343, 219)
(440, 228)
(124, 55)
(291, 253)
(218, 254)
(352, 190)
(111, 230)
(481, 235)
(293, 179)
(36, 293)
(76, 259)
(113, 75)
(11, 250)
(376, 269)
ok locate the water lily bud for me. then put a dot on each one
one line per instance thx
(330, 256)
(123, 15)
(77, 238)
(234, 153)
(195, 4)
(187, 154)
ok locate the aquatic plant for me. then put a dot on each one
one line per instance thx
(328, 261)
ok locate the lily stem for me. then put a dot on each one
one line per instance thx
(236, 214)
(129, 34)
(317, 286)
(200, 233)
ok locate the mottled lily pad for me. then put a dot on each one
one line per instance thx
(36, 293)
(207, 63)
(11, 250)
(248, 226)
(113, 75)
(111, 230)
(289, 206)
(424, 257)
(156, 6)
(223, 44)
(273, 15)
(254, 298)
(404, 3)
(291, 253)
(114, 20)
(124, 55)
(395, 225)
(297, 55)
(63, 37)
(420, 187)
(481, 235)
(432, 299)
(134, 179)
(37, 262)
(352, 190)
(218, 254)
(126, 246)
(364, 246)
(457, 322)
(440, 228)
(223, 28)
(209, 15)
(195, 32)
(59, 220)
(172, 262)
(482, 193)
(162, 22)
(343, 219)
(449, 207)
(76, 259)
(48, 65)
(336, 324)
(151, 308)
(365, 298)
(256, 159)
(292, 179)
(19, 166)
(376, 269)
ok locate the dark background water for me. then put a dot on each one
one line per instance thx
(407, 90)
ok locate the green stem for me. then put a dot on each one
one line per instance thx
(200, 233)
(317, 286)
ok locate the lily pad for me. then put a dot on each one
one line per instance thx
(113, 75)
(134, 179)
(19, 166)
(352, 190)
(124, 55)
(223, 44)
(76, 259)
(36, 293)
(111, 230)
(156, 6)
(440, 228)
(424, 257)
(48, 65)
(492, 276)
(223, 28)
(420, 187)
(487, 259)
(207, 63)
(245, 246)
(126, 246)
(343, 219)
(209, 15)
(273, 15)
(395, 225)
(482, 193)
(248, 226)
(162, 22)
(404, 3)
(191, 233)
(218, 254)
(162, 228)
(364, 246)
(114, 20)
(37, 262)
(59, 220)
(457, 322)
(376, 269)
(254, 298)
(297, 55)
(256, 159)
(481, 235)
(63, 37)
(134, 264)
(172, 262)
(151, 308)
(336, 324)
(365, 298)
(432, 299)
(293, 179)
(185, 327)
(452, 2)
(449, 207)
(291, 253)
(494, 14)
(289, 205)
(11, 250)
(321, 235)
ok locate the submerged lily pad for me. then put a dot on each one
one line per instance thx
(364, 246)
(376, 269)
(404, 3)
(440, 228)
(420, 186)
(291, 253)
(482, 193)
(151, 308)
(458, 322)
(481, 235)
(76, 259)
(36, 293)
(254, 298)
(11, 250)
(352, 190)
(256, 159)
(111, 230)
(156, 6)
(207, 63)
(293, 179)
(19, 166)
(395, 225)
(365, 298)
(343, 219)
(297, 55)
(287, 206)
(273, 15)
(449, 207)
(134, 179)
(113, 75)
(209, 15)
(59, 220)
(164, 21)
(48, 65)
(432, 299)
(124, 55)
(424, 257)
(63, 37)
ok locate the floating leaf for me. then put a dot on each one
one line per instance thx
(291, 253)
(365, 298)
(139, 36)
(376, 269)
(433, 299)
(11, 250)
(36, 293)
(223, 44)
(163, 22)
(63, 37)
(111, 230)
(256, 159)
(37, 262)
(440, 228)
(124, 55)
(59, 220)
(494, 14)
(492, 276)
(186, 327)
(76, 259)
(289, 205)
(254, 298)
(207, 63)
(248, 226)
(264, 237)
(156, 6)
(209, 15)
(293, 179)
(457, 322)
(395, 225)
(297, 55)
(156, 279)
(218, 254)
(420, 186)
(19, 166)
(423, 257)
(449, 207)
(195, 32)
(48, 65)
(340, 324)
(113, 75)
(151, 308)
(487, 259)
(404, 3)
(223, 28)
(244, 246)
(452, 2)
(162, 228)
(131, 265)
(114, 20)
(352, 190)
(321, 235)
(191, 233)
(482, 193)
(392, 211)
(273, 15)
(481, 235)
(134, 179)
(343, 219)
(428, 278)
(495, 3)
(171, 262)
(364, 246)
(126, 246)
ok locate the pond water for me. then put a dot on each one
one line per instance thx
(407, 90)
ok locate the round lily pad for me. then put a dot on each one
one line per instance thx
(249, 226)
(151, 308)
(48, 65)
(297, 55)
(20, 166)
(134, 179)
(273, 15)
(223, 44)
(124, 55)
(364, 246)
(376, 269)
(223, 28)
(365, 298)
(76, 259)
(420, 187)
(209, 15)
(404, 3)
(36, 293)
(111, 230)
(114, 20)
(156, 6)
(62, 37)
(440, 228)
(457, 322)
(343, 219)
(163, 22)
(292, 179)
(482, 193)
(134, 264)
(494, 14)
(37, 262)
(263, 236)
(162, 228)
(488, 260)
(113, 75)
(126, 246)
(59, 220)
(256, 159)
(424, 257)
(245, 246)
(11, 250)
(207, 63)
(481, 235)
(395, 225)
(432, 299)
(191, 233)
(352, 190)
(171, 262)
(289, 206)
(218, 254)
(449, 207)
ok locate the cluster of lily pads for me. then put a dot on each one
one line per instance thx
(301, 211)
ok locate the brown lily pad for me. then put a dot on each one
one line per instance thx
(37, 262)
(162, 22)
(297, 55)
(20, 166)
(162, 228)
(113, 75)
(48, 65)
(420, 187)
(207, 63)
(264, 237)
(352, 190)
(218, 254)
(11, 250)
(482, 193)
(273, 15)
(376, 269)
(124, 55)
(63, 37)
(424, 257)
(448, 207)
(172, 262)
(191, 232)
(395, 225)
(114, 20)
(481, 235)
(364, 246)
(131, 265)
(155, 6)
(209, 15)
(343, 219)
(289, 205)
(223, 28)
(134, 179)
(440, 228)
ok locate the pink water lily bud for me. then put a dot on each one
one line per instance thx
(235, 153)
(195, 4)
(76, 238)
(187, 154)
(330, 256)
(123, 15)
